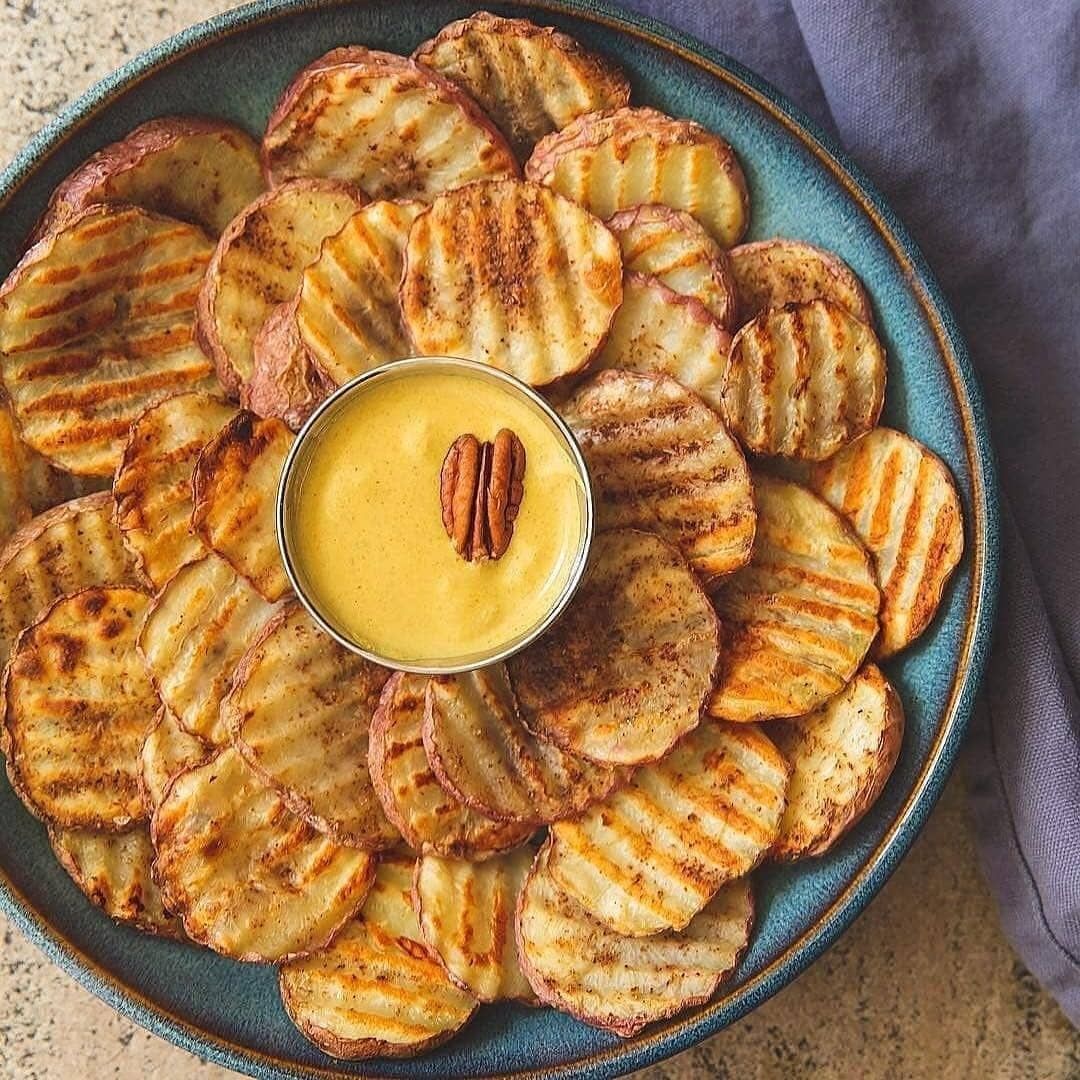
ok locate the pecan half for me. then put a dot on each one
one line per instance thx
(481, 486)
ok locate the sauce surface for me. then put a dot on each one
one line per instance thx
(368, 542)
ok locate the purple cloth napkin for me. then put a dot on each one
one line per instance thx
(966, 113)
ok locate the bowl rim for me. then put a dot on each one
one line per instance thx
(665, 1039)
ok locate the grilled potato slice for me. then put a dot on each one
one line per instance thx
(153, 481)
(775, 273)
(613, 160)
(478, 280)
(673, 246)
(903, 503)
(234, 486)
(96, 324)
(803, 381)
(651, 855)
(623, 674)
(531, 80)
(661, 459)
(660, 332)
(257, 264)
(431, 820)
(195, 168)
(622, 983)
(195, 632)
(483, 754)
(114, 872)
(466, 914)
(77, 705)
(841, 756)
(249, 879)
(395, 128)
(167, 751)
(800, 618)
(299, 711)
(376, 991)
(71, 547)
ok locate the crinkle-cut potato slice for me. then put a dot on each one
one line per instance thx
(250, 879)
(299, 711)
(841, 756)
(803, 381)
(774, 273)
(347, 311)
(466, 913)
(622, 983)
(431, 820)
(196, 630)
(257, 265)
(113, 870)
(624, 673)
(531, 80)
(393, 127)
(153, 481)
(673, 246)
(167, 751)
(651, 855)
(903, 503)
(658, 331)
(77, 705)
(234, 486)
(376, 991)
(512, 275)
(660, 459)
(800, 618)
(484, 755)
(97, 324)
(195, 168)
(620, 158)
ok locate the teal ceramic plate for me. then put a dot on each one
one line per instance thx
(801, 186)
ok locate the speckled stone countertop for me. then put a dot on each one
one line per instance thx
(923, 985)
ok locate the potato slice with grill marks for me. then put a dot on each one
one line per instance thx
(299, 712)
(774, 273)
(96, 324)
(195, 168)
(466, 913)
(660, 332)
(257, 265)
(803, 381)
(801, 616)
(234, 487)
(512, 275)
(841, 756)
(153, 481)
(250, 879)
(660, 459)
(395, 128)
(674, 247)
(430, 819)
(482, 753)
(194, 634)
(113, 870)
(77, 706)
(167, 751)
(651, 855)
(622, 983)
(903, 503)
(614, 160)
(623, 674)
(531, 80)
(376, 991)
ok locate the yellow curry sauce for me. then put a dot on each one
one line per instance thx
(370, 547)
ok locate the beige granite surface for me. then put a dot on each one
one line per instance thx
(923, 985)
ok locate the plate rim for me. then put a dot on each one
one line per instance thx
(668, 1038)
